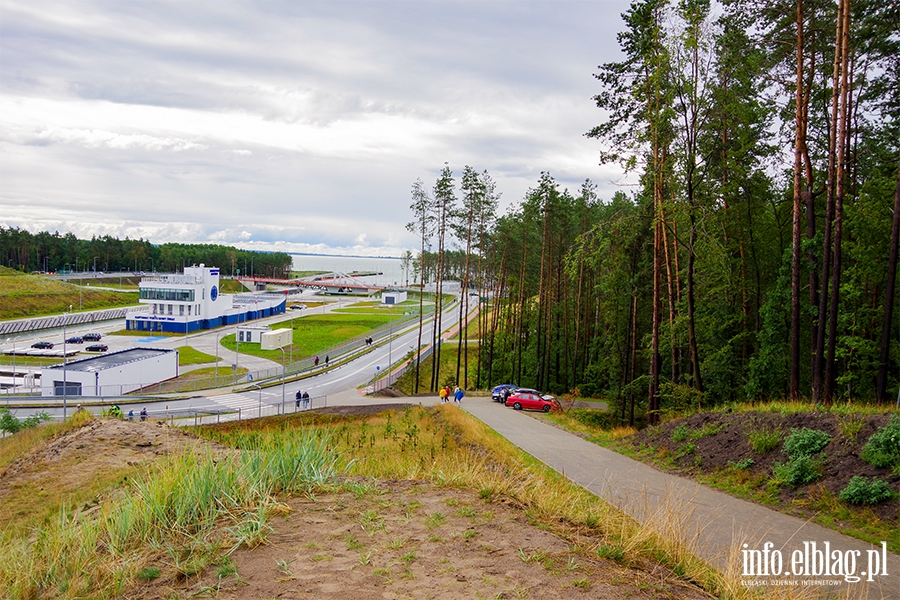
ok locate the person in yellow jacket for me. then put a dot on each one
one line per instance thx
(443, 395)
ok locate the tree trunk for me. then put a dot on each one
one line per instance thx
(884, 351)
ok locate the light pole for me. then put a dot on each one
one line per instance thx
(65, 356)
(218, 335)
(95, 264)
(152, 269)
(390, 343)
(237, 355)
(259, 387)
(282, 378)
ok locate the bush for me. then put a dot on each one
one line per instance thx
(764, 441)
(680, 433)
(798, 471)
(883, 447)
(10, 424)
(599, 419)
(862, 491)
(805, 442)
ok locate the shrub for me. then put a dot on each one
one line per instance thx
(764, 441)
(862, 491)
(10, 424)
(883, 447)
(741, 465)
(798, 471)
(680, 433)
(805, 442)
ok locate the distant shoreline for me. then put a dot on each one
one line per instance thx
(340, 255)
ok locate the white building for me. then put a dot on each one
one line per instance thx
(112, 374)
(180, 303)
(393, 297)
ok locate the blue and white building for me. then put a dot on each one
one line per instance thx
(190, 301)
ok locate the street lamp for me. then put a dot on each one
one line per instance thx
(282, 378)
(65, 356)
(217, 356)
(95, 264)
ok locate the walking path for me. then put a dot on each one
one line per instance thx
(714, 525)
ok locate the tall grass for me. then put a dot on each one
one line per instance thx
(176, 507)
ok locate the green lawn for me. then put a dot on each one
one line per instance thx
(23, 295)
(315, 333)
(191, 356)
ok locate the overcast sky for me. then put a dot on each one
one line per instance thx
(295, 126)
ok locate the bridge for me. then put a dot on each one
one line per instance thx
(332, 283)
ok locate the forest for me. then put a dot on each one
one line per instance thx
(756, 258)
(52, 252)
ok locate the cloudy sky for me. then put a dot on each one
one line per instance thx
(288, 125)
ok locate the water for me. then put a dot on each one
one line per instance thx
(391, 269)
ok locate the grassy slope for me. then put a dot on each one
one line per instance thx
(23, 296)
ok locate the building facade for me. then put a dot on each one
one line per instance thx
(190, 301)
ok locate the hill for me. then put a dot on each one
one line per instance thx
(23, 296)
(434, 517)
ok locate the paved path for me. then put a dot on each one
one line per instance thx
(712, 524)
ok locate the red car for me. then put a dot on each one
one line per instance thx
(532, 400)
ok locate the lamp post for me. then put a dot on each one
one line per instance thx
(152, 269)
(218, 335)
(282, 378)
(259, 387)
(95, 264)
(237, 354)
(65, 356)
(390, 343)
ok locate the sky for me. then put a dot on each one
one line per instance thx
(289, 125)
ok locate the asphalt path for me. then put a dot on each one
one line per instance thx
(712, 524)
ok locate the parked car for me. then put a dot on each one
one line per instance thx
(297, 306)
(91, 337)
(97, 348)
(42, 345)
(75, 340)
(497, 391)
(531, 400)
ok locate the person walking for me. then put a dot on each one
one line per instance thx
(458, 395)
(305, 400)
(144, 414)
(316, 361)
(326, 360)
(298, 397)
(443, 395)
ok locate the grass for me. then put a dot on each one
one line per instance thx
(314, 334)
(192, 356)
(185, 502)
(447, 376)
(23, 295)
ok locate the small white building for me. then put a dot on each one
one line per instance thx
(251, 333)
(393, 297)
(112, 374)
(190, 301)
(273, 340)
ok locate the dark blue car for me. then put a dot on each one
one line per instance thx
(497, 392)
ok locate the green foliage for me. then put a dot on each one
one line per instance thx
(10, 424)
(741, 465)
(863, 491)
(883, 447)
(805, 442)
(764, 441)
(797, 471)
(680, 433)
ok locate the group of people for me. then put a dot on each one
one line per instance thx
(316, 361)
(369, 341)
(302, 398)
(446, 396)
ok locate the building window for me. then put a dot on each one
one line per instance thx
(181, 309)
(167, 294)
(190, 306)
(170, 309)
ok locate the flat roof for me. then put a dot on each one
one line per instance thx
(112, 359)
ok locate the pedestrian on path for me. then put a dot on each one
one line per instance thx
(298, 396)
(305, 400)
(326, 360)
(458, 395)
(316, 361)
(443, 395)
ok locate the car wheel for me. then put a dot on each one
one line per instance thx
(546, 408)
(517, 406)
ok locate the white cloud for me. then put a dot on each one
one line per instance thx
(301, 124)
